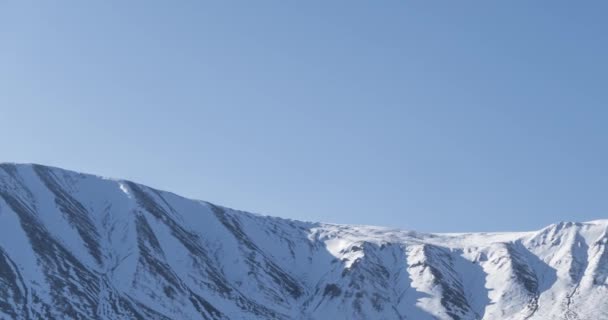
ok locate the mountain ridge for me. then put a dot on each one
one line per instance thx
(99, 176)
(80, 246)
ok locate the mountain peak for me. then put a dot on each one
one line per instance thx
(79, 246)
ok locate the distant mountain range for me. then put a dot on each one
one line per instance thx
(78, 246)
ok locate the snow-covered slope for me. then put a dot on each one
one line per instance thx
(77, 246)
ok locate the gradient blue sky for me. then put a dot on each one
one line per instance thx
(428, 115)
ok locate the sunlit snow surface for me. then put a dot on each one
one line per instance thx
(76, 246)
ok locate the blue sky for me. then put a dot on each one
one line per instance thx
(428, 115)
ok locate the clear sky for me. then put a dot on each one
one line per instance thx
(427, 115)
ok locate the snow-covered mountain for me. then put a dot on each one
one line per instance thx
(77, 246)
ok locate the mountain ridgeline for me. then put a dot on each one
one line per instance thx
(78, 246)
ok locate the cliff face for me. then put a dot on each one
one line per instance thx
(77, 246)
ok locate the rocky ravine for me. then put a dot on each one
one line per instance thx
(77, 246)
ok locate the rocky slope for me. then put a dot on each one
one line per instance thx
(77, 246)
